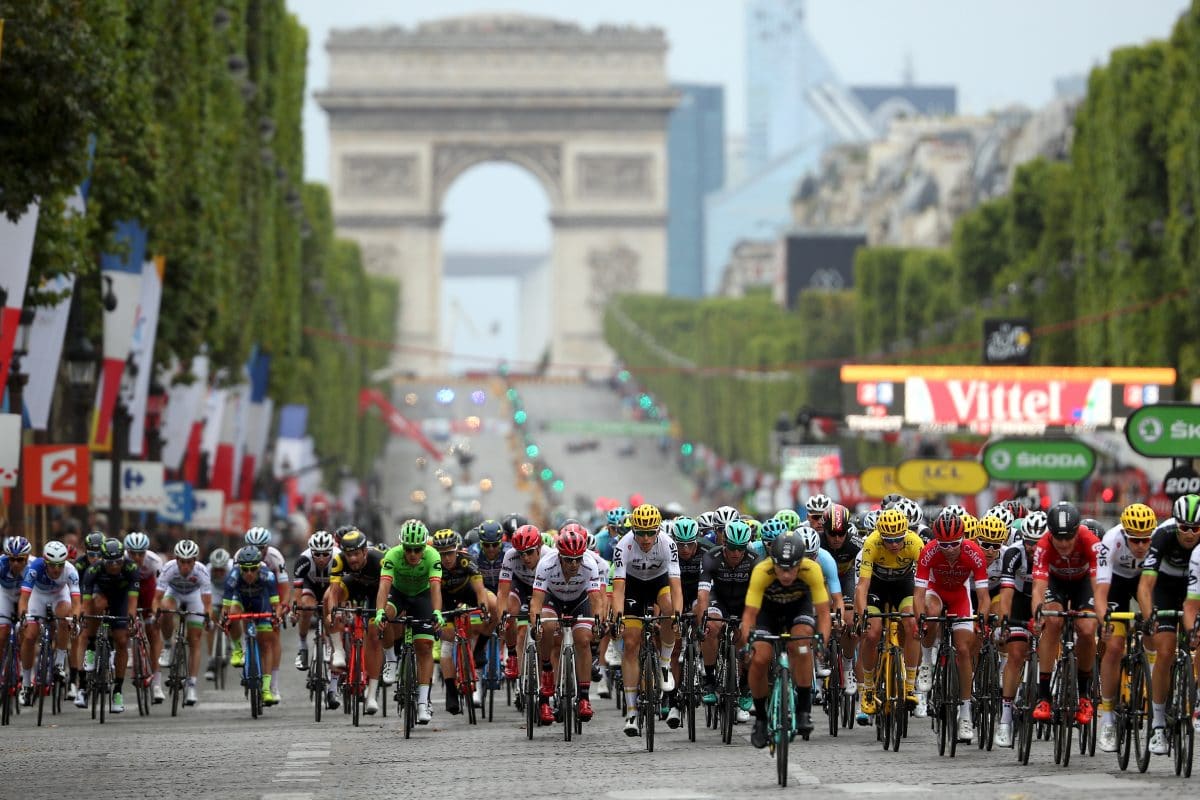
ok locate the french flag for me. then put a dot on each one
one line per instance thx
(121, 273)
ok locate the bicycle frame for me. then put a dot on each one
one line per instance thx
(649, 677)
(44, 680)
(10, 673)
(464, 657)
(891, 714)
(1064, 688)
(317, 680)
(405, 693)
(252, 673)
(143, 673)
(101, 680)
(1181, 696)
(177, 671)
(781, 702)
(354, 684)
(728, 679)
(1132, 709)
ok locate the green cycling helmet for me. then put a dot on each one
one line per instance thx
(789, 517)
(686, 530)
(755, 528)
(413, 533)
(738, 534)
(548, 539)
(772, 529)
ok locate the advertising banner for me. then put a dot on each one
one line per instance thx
(1007, 341)
(1165, 431)
(931, 476)
(1065, 460)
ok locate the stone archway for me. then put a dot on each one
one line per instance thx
(585, 112)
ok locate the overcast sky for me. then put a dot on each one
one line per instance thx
(996, 53)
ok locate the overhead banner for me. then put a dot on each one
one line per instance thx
(145, 330)
(925, 477)
(988, 400)
(16, 250)
(1165, 431)
(208, 509)
(10, 449)
(879, 481)
(810, 462)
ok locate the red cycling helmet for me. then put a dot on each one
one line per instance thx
(837, 520)
(572, 541)
(526, 537)
(949, 528)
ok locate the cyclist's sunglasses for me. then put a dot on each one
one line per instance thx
(1064, 537)
(838, 534)
(571, 559)
(894, 539)
(737, 548)
(1185, 527)
(641, 534)
(490, 544)
(950, 545)
(245, 568)
(17, 559)
(415, 549)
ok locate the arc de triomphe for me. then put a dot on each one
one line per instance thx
(584, 111)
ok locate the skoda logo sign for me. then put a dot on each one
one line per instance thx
(1150, 429)
(999, 459)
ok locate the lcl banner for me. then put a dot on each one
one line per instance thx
(985, 404)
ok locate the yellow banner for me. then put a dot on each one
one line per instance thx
(931, 476)
(878, 481)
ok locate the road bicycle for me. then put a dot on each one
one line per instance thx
(47, 682)
(177, 671)
(944, 695)
(100, 681)
(252, 673)
(1064, 686)
(143, 670)
(10, 673)
(1026, 698)
(465, 674)
(406, 691)
(891, 710)
(986, 687)
(317, 679)
(835, 688)
(723, 715)
(650, 677)
(781, 701)
(354, 681)
(1181, 696)
(691, 668)
(493, 674)
(1132, 709)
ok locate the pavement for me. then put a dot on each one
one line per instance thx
(216, 750)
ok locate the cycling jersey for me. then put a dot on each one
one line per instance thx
(727, 584)
(10, 582)
(37, 579)
(1118, 561)
(360, 584)
(829, 569)
(843, 555)
(690, 570)
(490, 568)
(765, 588)
(274, 561)
(460, 578)
(198, 580)
(948, 577)
(98, 580)
(308, 576)
(151, 565)
(632, 562)
(254, 597)
(1014, 570)
(412, 579)
(515, 571)
(882, 564)
(549, 578)
(1079, 563)
(1167, 556)
(1193, 582)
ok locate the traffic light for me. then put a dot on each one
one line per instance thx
(1108, 494)
(623, 375)
(645, 402)
(519, 417)
(531, 451)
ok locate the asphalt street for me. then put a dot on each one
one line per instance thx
(216, 750)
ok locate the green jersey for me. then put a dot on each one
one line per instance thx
(409, 579)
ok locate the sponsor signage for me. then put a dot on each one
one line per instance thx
(57, 475)
(998, 399)
(930, 476)
(879, 481)
(1165, 431)
(1180, 481)
(141, 485)
(1007, 341)
(1038, 460)
(810, 462)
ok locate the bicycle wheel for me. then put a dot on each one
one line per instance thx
(727, 710)
(530, 688)
(318, 681)
(1187, 701)
(937, 700)
(1179, 717)
(648, 691)
(566, 692)
(408, 689)
(465, 660)
(178, 670)
(1065, 729)
(687, 693)
(900, 704)
(784, 698)
(952, 700)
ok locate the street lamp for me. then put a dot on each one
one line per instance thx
(120, 440)
(16, 389)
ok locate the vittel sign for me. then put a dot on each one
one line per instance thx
(985, 402)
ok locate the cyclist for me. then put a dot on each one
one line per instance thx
(109, 586)
(721, 519)
(354, 580)
(218, 572)
(886, 580)
(567, 581)
(839, 538)
(1164, 586)
(516, 588)
(1016, 605)
(489, 554)
(722, 594)
(645, 575)
(251, 589)
(410, 584)
(50, 583)
(261, 538)
(945, 568)
(787, 595)
(185, 584)
(137, 550)
(691, 549)
(462, 585)
(817, 507)
(310, 580)
(12, 572)
(90, 555)
(612, 531)
(1064, 576)
(1117, 575)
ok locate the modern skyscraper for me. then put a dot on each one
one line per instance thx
(696, 166)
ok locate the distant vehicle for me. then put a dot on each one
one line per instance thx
(627, 449)
(583, 445)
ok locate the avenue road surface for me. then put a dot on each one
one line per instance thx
(216, 750)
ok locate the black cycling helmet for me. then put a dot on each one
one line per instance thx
(787, 550)
(491, 532)
(1094, 526)
(513, 521)
(342, 531)
(112, 550)
(248, 555)
(94, 542)
(1064, 518)
(353, 539)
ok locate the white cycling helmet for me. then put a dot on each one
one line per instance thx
(818, 504)
(725, 515)
(186, 548)
(258, 537)
(321, 542)
(218, 559)
(55, 552)
(1001, 513)
(137, 542)
(1034, 526)
(811, 540)
(911, 510)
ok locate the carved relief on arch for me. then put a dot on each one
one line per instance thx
(544, 160)
(612, 269)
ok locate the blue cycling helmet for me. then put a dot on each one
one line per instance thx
(491, 531)
(17, 546)
(617, 515)
(772, 529)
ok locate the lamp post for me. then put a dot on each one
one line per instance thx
(16, 392)
(81, 378)
(120, 440)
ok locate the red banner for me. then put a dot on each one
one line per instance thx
(984, 404)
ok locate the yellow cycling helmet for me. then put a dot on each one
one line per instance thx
(970, 525)
(992, 530)
(892, 523)
(645, 518)
(1138, 520)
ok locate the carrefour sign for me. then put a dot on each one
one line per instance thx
(1038, 460)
